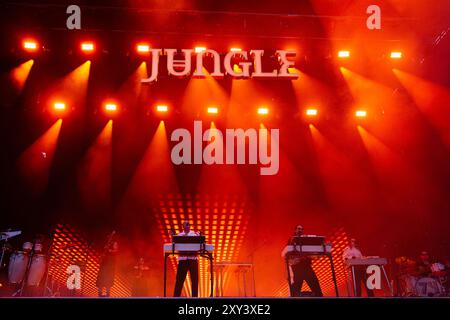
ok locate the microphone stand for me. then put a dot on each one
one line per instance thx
(25, 277)
(3, 253)
(49, 253)
(251, 256)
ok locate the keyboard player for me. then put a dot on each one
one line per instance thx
(302, 269)
(352, 252)
(187, 262)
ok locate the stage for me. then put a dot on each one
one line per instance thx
(225, 150)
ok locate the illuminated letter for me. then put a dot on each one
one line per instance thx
(374, 20)
(155, 63)
(178, 68)
(257, 54)
(283, 56)
(245, 66)
(199, 71)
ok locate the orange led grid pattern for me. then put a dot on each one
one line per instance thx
(69, 248)
(223, 220)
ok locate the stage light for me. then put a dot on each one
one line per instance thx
(87, 47)
(235, 49)
(236, 68)
(199, 49)
(361, 113)
(213, 110)
(396, 55)
(311, 112)
(162, 108)
(111, 107)
(20, 74)
(344, 54)
(263, 111)
(30, 45)
(59, 106)
(143, 48)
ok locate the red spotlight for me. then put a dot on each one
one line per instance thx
(87, 47)
(162, 108)
(213, 110)
(263, 111)
(143, 48)
(396, 55)
(344, 54)
(110, 107)
(311, 112)
(361, 113)
(235, 49)
(59, 106)
(30, 45)
(199, 49)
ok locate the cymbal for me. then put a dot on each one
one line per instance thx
(9, 234)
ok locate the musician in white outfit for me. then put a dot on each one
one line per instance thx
(353, 252)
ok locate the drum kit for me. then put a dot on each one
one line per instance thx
(412, 285)
(27, 267)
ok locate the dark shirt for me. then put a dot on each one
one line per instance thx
(423, 269)
(107, 270)
(297, 259)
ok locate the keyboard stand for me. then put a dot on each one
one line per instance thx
(333, 273)
(202, 253)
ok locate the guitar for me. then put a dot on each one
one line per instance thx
(109, 242)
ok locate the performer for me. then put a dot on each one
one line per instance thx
(140, 285)
(302, 269)
(107, 270)
(423, 265)
(187, 263)
(353, 252)
(427, 267)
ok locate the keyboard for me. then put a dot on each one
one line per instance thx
(366, 261)
(188, 247)
(306, 250)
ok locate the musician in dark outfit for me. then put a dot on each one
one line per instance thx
(423, 265)
(107, 270)
(187, 262)
(302, 270)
